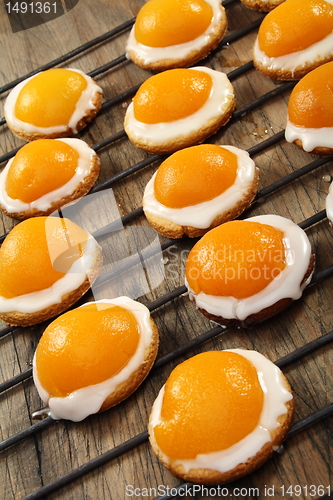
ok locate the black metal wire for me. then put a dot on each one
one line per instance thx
(29, 431)
(313, 219)
(6, 330)
(142, 438)
(292, 176)
(284, 87)
(72, 53)
(153, 158)
(128, 93)
(184, 348)
(290, 358)
(139, 211)
(299, 426)
(88, 466)
(8, 384)
(121, 59)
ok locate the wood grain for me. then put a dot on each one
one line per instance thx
(63, 446)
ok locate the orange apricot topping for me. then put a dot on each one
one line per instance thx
(237, 259)
(49, 98)
(211, 402)
(37, 253)
(85, 346)
(40, 167)
(311, 101)
(172, 95)
(294, 26)
(161, 23)
(195, 175)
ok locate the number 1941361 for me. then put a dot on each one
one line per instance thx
(32, 8)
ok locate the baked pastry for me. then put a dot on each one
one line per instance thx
(198, 188)
(295, 38)
(262, 5)
(179, 108)
(310, 112)
(220, 415)
(329, 204)
(94, 356)
(244, 272)
(46, 265)
(45, 175)
(175, 33)
(54, 103)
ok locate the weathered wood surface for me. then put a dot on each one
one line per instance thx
(63, 446)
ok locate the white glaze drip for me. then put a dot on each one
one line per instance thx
(85, 163)
(153, 54)
(329, 203)
(275, 397)
(160, 133)
(84, 104)
(36, 301)
(89, 400)
(286, 285)
(203, 214)
(311, 137)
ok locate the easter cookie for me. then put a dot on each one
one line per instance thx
(55, 103)
(175, 33)
(244, 272)
(179, 108)
(310, 112)
(295, 38)
(118, 343)
(45, 175)
(198, 188)
(220, 415)
(46, 265)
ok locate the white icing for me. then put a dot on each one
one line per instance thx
(311, 137)
(329, 203)
(275, 397)
(179, 51)
(89, 400)
(295, 60)
(36, 301)
(160, 133)
(203, 214)
(286, 285)
(85, 163)
(84, 104)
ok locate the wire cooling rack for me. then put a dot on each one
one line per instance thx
(183, 331)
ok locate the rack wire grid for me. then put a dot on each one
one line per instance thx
(108, 455)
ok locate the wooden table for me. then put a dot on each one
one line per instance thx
(64, 446)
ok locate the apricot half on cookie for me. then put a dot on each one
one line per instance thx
(216, 419)
(179, 108)
(46, 265)
(175, 33)
(295, 38)
(310, 112)
(94, 356)
(198, 188)
(243, 272)
(45, 175)
(54, 103)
